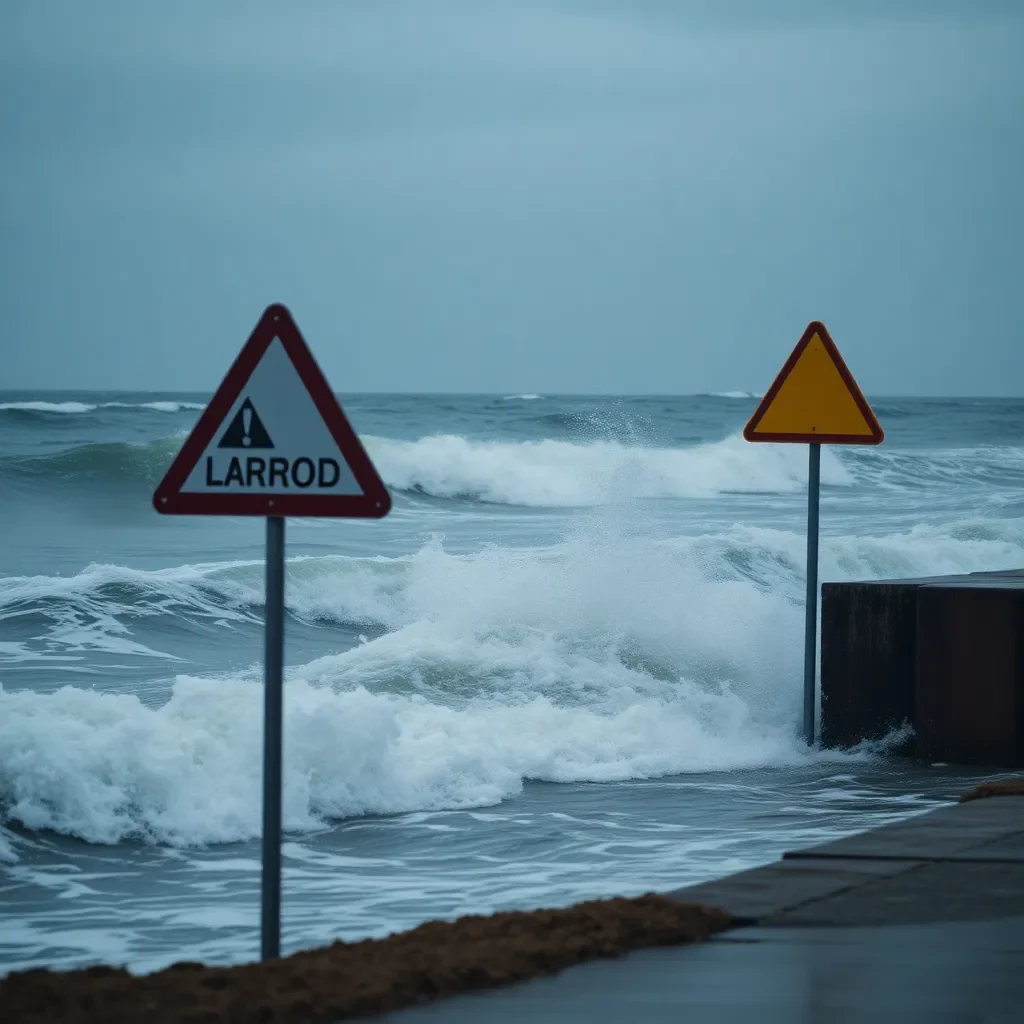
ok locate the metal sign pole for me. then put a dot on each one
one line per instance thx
(270, 910)
(321, 472)
(811, 625)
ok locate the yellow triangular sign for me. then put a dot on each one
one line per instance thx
(814, 399)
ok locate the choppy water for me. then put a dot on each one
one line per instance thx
(568, 664)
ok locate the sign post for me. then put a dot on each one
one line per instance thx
(811, 603)
(273, 442)
(814, 401)
(273, 706)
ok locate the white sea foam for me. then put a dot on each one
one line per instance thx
(105, 767)
(157, 406)
(997, 468)
(7, 854)
(565, 473)
(733, 394)
(73, 408)
(609, 656)
(522, 398)
(98, 608)
(59, 407)
(102, 607)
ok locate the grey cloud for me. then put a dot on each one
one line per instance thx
(514, 196)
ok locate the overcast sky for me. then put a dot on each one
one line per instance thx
(513, 195)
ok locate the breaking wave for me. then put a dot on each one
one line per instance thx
(494, 669)
(559, 473)
(609, 656)
(114, 461)
(533, 473)
(563, 473)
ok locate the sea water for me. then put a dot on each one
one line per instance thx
(567, 665)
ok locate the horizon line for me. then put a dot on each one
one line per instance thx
(730, 394)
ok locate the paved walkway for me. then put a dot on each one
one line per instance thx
(921, 920)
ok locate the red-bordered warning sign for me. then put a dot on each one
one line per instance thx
(814, 399)
(273, 441)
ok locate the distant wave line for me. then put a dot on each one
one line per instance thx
(78, 408)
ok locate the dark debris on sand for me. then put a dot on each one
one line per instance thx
(353, 979)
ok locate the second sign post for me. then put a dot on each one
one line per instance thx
(814, 401)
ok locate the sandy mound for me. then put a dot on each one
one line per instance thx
(1005, 787)
(345, 980)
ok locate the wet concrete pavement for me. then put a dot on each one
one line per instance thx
(920, 920)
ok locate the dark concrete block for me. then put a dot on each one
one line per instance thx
(868, 656)
(970, 672)
(870, 676)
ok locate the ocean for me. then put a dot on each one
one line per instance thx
(567, 665)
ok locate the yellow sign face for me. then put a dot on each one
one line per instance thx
(814, 399)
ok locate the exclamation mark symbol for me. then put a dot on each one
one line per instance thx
(246, 425)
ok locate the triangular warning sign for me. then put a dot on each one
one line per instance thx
(296, 456)
(246, 430)
(814, 399)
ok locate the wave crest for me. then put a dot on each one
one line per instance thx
(546, 473)
(79, 408)
(563, 473)
(110, 462)
(101, 606)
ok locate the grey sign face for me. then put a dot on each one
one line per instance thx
(273, 441)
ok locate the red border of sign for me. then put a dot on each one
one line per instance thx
(876, 436)
(373, 503)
